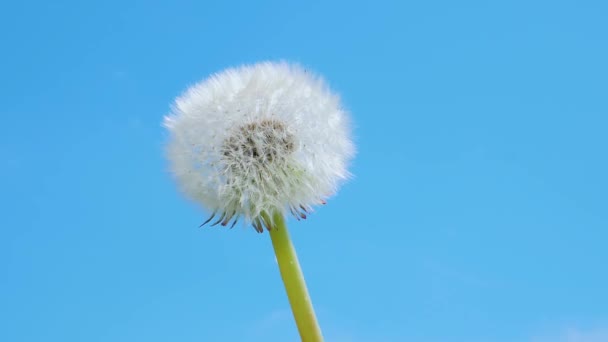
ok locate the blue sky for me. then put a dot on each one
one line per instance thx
(478, 211)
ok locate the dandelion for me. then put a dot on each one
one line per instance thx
(255, 143)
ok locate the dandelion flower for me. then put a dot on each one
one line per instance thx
(260, 138)
(258, 142)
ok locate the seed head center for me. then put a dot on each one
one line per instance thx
(259, 142)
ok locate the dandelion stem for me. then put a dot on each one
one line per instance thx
(293, 279)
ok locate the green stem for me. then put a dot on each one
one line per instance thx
(301, 306)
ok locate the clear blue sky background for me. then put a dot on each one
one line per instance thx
(478, 211)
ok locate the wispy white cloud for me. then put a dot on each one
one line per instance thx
(118, 75)
(575, 334)
(278, 325)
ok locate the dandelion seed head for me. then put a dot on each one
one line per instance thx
(259, 138)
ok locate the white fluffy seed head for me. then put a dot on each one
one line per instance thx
(259, 138)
